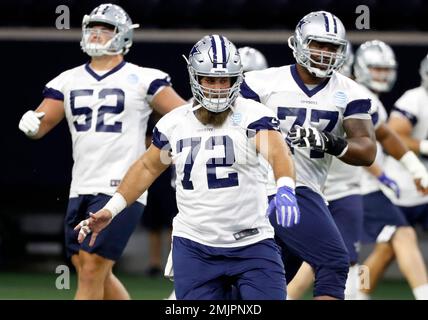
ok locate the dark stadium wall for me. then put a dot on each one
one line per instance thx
(36, 174)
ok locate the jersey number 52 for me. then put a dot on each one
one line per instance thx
(102, 110)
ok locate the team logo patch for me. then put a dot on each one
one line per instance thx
(340, 99)
(132, 78)
(236, 118)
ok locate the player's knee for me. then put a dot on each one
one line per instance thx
(330, 279)
(405, 236)
(93, 268)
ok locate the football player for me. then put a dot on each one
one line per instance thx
(343, 191)
(323, 114)
(221, 234)
(107, 103)
(385, 224)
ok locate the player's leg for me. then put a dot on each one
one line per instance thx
(410, 260)
(348, 213)
(258, 270)
(303, 279)
(317, 241)
(108, 247)
(93, 271)
(376, 263)
(199, 273)
(151, 221)
(114, 289)
(385, 223)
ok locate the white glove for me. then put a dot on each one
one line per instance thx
(30, 122)
(415, 167)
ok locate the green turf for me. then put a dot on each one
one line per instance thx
(36, 286)
(42, 286)
(386, 290)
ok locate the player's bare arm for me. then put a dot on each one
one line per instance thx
(35, 124)
(403, 127)
(361, 142)
(390, 141)
(274, 149)
(166, 100)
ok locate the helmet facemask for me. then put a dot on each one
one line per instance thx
(93, 47)
(382, 79)
(114, 18)
(320, 63)
(214, 99)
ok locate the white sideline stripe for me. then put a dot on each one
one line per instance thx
(192, 35)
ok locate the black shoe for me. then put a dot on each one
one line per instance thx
(153, 272)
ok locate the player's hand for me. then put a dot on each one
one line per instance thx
(389, 183)
(285, 205)
(316, 140)
(422, 184)
(307, 138)
(95, 224)
(30, 122)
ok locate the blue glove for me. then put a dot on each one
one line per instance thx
(391, 184)
(285, 205)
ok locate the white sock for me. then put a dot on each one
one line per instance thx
(172, 296)
(421, 292)
(351, 287)
(289, 298)
(362, 295)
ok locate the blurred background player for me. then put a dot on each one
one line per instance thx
(315, 126)
(409, 118)
(221, 235)
(385, 224)
(106, 103)
(252, 59)
(160, 210)
(343, 192)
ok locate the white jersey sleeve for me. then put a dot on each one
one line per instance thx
(56, 88)
(154, 81)
(408, 105)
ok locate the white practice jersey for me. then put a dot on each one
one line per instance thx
(221, 193)
(325, 107)
(412, 105)
(369, 183)
(343, 179)
(107, 116)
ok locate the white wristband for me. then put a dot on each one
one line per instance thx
(413, 164)
(423, 147)
(116, 204)
(285, 181)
